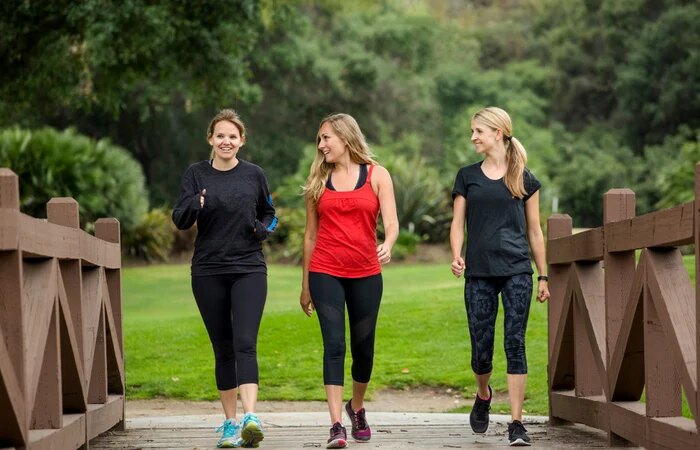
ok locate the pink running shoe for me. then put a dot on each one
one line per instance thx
(360, 427)
(339, 437)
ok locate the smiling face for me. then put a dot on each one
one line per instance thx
(226, 140)
(329, 144)
(484, 137)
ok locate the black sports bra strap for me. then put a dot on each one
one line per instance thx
(361, 180)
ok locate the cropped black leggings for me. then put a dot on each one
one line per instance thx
(481, 300)
(231, 306)
(362, 296)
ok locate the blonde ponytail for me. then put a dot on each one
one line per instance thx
(517, 159)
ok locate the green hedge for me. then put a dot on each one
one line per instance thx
(104, 178)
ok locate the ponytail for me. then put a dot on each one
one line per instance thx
(517, 159)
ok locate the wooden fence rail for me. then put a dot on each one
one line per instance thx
(61, 341)
(623, 321)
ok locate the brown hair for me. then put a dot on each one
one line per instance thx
(229, 115)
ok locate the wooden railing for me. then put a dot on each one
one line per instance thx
(623, 321)
(61, 342)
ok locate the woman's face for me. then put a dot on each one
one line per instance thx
(226, 140)
(484, 137)
(329, 144)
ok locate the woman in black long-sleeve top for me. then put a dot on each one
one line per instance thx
(230, 201)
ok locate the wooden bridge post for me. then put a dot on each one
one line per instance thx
(108, 229)
(14, 426)
(620, 204)
(558, 225)
(65, 211)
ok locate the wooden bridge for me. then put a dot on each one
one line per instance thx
(623, 339)
(61, 343)
(622, 328)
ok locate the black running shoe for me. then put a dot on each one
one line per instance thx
(339, 437)
(360, 428)
(517, 434)
(479, 417)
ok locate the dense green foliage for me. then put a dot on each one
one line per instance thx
(103, 178)
(601, 92)
(152, 238)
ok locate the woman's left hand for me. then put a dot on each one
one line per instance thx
(542, 291)
(383, 253)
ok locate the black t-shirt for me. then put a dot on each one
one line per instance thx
(237, 216)
(496, 226)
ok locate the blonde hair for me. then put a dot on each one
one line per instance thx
(229, 115)
(516, 157)
(347, 129)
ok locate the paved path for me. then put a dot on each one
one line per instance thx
(310, 430)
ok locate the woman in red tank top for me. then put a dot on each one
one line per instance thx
(345, 192)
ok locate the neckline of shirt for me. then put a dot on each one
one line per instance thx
(210, 164)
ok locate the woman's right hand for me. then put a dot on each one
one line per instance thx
(307, 305)
(201, 198)
(458, 266)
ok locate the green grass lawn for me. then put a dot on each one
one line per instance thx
(422, 338)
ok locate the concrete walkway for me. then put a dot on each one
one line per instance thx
(310, 430)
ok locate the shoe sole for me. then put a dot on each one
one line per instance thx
(226, 445)
(337, 443)
(474, 428)
(252, 435)
(520, 443)
(480, 431)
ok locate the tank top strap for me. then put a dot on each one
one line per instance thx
(369, 173)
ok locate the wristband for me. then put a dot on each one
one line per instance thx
(543, 278)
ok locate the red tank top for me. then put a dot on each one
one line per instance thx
(346, 244)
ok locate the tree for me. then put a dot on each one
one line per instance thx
(658, 84)
(63, 59)
(147, 74)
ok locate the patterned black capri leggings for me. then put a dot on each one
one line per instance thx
(481, 300)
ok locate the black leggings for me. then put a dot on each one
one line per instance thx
(231, 306)
(362, 296)
(481, 300)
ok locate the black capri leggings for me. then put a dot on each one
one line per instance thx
(362, 296)
(481, 300)
(231, 306)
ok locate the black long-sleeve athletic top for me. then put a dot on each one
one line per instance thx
(237, 216)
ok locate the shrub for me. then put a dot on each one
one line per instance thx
(406, 245)
(421, 198)
(152, 238)
(103, 178)
(286, 244)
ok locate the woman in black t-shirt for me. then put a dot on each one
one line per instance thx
(499, 199)
(230, 201)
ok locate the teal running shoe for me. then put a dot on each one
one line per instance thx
(251, 432)
(231, 437)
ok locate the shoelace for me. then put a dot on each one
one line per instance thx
(360, 419)
(229, 429)
(337, 429)
(517, 427)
